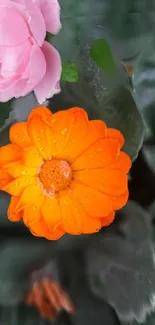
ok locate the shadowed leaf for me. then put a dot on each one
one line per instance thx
(120, 265)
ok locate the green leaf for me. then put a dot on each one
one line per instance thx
(104, 98)
(120, 264)
(18, 315)
(17, 259)
(150, 320)
(69, 72)
(144, 88)
(101, 54)
(149, 155)
(5, 109)
(89, 310)
(123, 23)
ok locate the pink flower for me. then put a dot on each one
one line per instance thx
(27, 61)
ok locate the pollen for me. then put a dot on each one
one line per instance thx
(55, 175)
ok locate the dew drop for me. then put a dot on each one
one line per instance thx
(16, 136)
(63, 131)
(99, 149)
(17, 183)
(42, 130)
(54, 141)
(23, 172)
(53, 120)
(38, 139)
(90, 156)
(41, 149)
(28, 181)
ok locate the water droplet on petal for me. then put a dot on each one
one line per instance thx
(23, 172)
(38, 139)
(54, 141)
(53, 120)
(99, 149)
(41, 149)
(16, 136)
(42, 130)
(90, 156)
(17, 183)
(63, 131)
(28, 181)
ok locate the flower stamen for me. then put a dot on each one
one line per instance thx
(55, 175)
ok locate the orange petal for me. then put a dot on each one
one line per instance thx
(74, 218)
(95, 203)
(119, 201)
(12, 215)
(42, 137)
(115, 134)
(42, 112)
(19, 135)
(56, 234)
(106, 221)
(51, 212)
(95, 131)
(9, 153)
(32, 213)
(5, 178)
(40, 229)
(102, 153)
(112, 182)
(123, 162)
(69, 127)
(30, 196)
(17, 186)
(32, 157)
(17, 169)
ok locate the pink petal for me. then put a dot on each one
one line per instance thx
(15, 58)
(49, 85)
(36, 70)
(36, 21)
(8, 92)
(10, 35)
(51, 12)
(22, 86)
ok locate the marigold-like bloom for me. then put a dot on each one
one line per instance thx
(65, 174)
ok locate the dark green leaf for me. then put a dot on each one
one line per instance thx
(120, 264)
(5, 109)
(89, 310)
(144, 87)
(19, 315)
(123, 23)
(150, 320)
(103, 98)
(17, 259)
(101, 54)
(69, 72)
(149, 155)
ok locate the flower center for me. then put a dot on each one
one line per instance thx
(55, 174)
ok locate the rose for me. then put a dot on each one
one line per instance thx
(28, 62)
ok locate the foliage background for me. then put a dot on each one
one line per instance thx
(110, 276)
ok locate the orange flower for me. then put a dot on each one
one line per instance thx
(65, 174)
(49, 298)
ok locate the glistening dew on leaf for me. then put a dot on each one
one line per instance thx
(65, 174)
